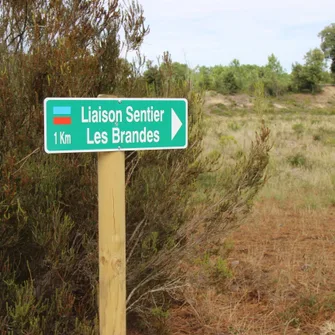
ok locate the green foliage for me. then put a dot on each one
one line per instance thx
(159, 312)
(330, 141)
(276, 81)
(48, 203)
(260, 103)
(202, 79)
(326, 136)
(274, 65)
(214, 267)
(243, 78)
(230, 83)
(298, 128)
(161, 79)
(221, 109)
(308, 77)
(226, 140)
(317, 137)
(234, 126)
(306, 309)
(328, 44)
(153, 78)
(204, 260)
(237, 78)
(221, 269)
(225, 81)
(221, 106)
(298, 160)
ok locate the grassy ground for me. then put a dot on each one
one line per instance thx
(279, 274)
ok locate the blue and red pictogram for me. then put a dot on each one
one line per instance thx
(62, 115)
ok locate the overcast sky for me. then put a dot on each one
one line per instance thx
(210, 32)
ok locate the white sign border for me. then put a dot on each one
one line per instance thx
(116, 149)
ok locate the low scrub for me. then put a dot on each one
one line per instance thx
(298, 160)
(325, 135)
(298, 128)
(48, 203)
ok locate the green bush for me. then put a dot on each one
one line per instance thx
(236, 78)
(220, 109)
(48, 203)
(234, 126)
(298, 160)
(309, 76)
(226, 140)
(298, 128)
(222, 269)
(325, 135)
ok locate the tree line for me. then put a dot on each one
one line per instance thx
(240, 78)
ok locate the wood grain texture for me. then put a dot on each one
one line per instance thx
(112, 239)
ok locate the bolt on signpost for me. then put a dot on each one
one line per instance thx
(111, 126)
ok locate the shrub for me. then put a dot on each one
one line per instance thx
(298, 128)
(226, 140)
(298, 160)
(174, 229)
(229, 83)
(220, 109)
(236, 78)
(325, 135)
(48, 203)
(234, 126)
(221, 269)
(308, 77)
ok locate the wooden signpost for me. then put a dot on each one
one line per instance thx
(112, 249)
(110, 126)
(112, 242)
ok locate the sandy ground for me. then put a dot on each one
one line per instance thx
(283, 263)
(321, 100)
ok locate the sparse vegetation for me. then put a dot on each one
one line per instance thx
(308, 77)
(281, 261)
(48, 203)
(327, 36)
(236, 232)
(233, 125)
(298, 128)
(298, 160)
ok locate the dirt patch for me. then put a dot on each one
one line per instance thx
(133, 332)
(278, 106)
(283, 263)
(321, 100)
(325, 99)
(238, 100)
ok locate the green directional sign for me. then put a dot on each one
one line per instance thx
(86, 124)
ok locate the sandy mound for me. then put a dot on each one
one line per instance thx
(322, 100)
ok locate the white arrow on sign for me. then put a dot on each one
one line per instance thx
(176, 124)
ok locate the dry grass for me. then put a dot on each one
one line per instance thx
(283, 259)
(283, 264)
(303, 156)
(319, 100)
